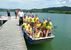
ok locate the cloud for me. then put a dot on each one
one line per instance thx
(29, 4)
(69, 0)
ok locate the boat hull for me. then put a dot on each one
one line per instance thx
(31, 40)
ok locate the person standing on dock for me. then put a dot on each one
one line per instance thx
(8, 14)
(16, 14)
(20, 15)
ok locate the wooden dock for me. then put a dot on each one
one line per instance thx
(11, 37)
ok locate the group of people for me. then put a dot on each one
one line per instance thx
(34, 27)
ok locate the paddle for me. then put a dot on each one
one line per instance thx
(43, 18)
(54, 27)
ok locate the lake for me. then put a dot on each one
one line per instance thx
(62, 40)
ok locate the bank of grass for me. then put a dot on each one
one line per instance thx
(57, 11)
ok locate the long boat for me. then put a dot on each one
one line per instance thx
(33, 40)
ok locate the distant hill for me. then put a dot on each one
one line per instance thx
(63, 9)
(53, 9)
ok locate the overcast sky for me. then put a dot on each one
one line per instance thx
(30, 4)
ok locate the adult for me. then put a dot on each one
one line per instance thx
(20, 15)
(8, 14)
(16, 14)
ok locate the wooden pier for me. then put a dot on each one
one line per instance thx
(11, 37)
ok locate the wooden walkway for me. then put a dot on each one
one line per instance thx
(11, 37)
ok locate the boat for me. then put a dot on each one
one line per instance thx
(32, 40)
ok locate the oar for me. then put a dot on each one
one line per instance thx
(43, 18)
(54, 27)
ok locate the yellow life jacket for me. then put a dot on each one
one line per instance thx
(30, 29)
(24, 19)
(44, 23)
(37, 35)
(32, 19)
(49, 26)
(28, 19)
(24, 24)
(38, 25)
(36, 18)
(26, 27)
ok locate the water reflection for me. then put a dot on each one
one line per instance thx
(41, 46)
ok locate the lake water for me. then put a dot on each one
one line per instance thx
(62, 40)
(5, 13)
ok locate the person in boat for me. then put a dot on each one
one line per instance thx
(36, 18)
(20, 15)
(32, 21)
(29, 19)
(44, 23)
(38, 24)
(49, 26)
(24, 18)
(43, 28)
(27, 28)
(37, 33)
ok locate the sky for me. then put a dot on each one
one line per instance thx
(31, 4)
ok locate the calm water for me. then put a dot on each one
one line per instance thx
(5, 13)
(62, 40)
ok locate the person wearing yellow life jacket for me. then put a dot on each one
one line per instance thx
(49, 26)
(24, 18)
(27, 28)
(24, 24)
(36, 18)
(29, 31)
(38, 24)
(32, 21)
(29, 19)
(44, 23)
(37, 33)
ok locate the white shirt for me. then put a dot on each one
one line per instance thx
(20, 14)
